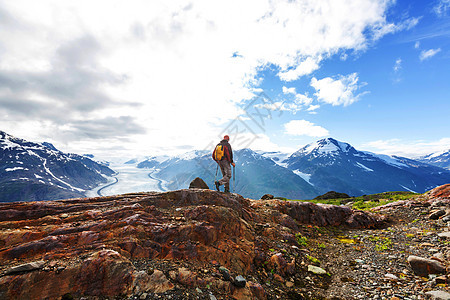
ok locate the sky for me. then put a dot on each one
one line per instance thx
(127, 78)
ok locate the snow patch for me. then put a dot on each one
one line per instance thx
(304, 176)
(276, 157)
(407, 189)
(62, 181)
(388, 159)
(15, 169)
(364, 167)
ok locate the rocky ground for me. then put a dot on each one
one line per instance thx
(202, 244)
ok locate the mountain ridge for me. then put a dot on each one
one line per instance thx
(38, 171)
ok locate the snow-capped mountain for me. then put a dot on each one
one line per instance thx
(438, 159)
(32, 171)
(255, 175)
(329, 164)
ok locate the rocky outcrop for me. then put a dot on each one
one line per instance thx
(440, 192)
(332, 195)
(148, 243)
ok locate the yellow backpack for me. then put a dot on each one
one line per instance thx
(219, 152)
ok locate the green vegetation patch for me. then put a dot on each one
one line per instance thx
(367, 202)
(301, 240)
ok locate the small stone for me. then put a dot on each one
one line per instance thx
(442, 280)
(36, 265)
(436, 214)
(143, 296)
(289, 284)
(391, 277)
(278, 278)
(426, 245)
(446, 219)
(316, 270)
(198, 290)
(63, 216)
(212, 297)
(445, 235)
(225, 273)
(439, 257)
(438, 295)
(240, 281)
(173, 275)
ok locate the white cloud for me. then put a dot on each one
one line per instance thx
(340, 91)
(293, 103)
(426, 54)
(398, 65)
(257, 142)
(442, 7)
(303, 127)
(417, 45)
(289, 90)
(305, 67)
(407, 148)
(166, 66)
(313, 107)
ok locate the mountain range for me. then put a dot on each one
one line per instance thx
(315, 169)
(32, 171)
(438, 159)
(38, 171)
(332, 165)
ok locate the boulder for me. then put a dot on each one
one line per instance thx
(424, 267)
(436, 214)
(267, 197)
(198, 183)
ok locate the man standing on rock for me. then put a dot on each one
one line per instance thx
(223, 155)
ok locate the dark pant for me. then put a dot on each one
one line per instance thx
(226, 172)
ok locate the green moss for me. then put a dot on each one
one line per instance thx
(301, 240)
(313, 259)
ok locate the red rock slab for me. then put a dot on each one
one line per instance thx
(442, 192)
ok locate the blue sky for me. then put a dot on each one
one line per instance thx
(158, 77)
(404, 96)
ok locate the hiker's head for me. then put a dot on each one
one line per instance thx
(226, 137)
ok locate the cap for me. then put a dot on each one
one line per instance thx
(226, 137)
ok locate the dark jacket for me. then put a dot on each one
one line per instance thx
(227, 151)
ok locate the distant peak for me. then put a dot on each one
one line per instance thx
(325, 146)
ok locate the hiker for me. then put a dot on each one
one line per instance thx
(223, 155)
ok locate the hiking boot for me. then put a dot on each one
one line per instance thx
(227, 190)
(217, 185)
